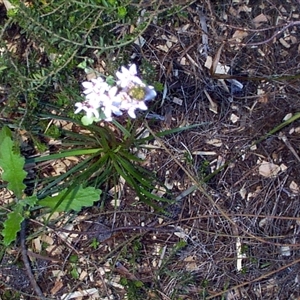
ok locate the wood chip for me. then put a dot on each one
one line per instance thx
(284, 43)
(239, 35)
(294, 187)
(268, 169)
(259, 20)
(91, 293)
(177, 101)
(57, 286)
(214, 142)
(234, 118)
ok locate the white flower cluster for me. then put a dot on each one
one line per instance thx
(103, 100)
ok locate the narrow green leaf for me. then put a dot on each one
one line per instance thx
(133, 172)
(154, 197)
(122, 128)
(121, 172)
(171, 131)
(62, 154)
(131, 157)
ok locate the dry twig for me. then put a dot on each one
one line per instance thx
(33, 282)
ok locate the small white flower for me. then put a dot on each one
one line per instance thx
(90, 111)
(111, 104)
(137, 105)
(96, 86)
(129, 94)
(130, 105)
(128, 76)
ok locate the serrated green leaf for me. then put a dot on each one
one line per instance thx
(4, 132)
(12, 226)
(30, 201)
(12, 165)
(83, 197)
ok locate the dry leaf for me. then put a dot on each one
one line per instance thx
(259, 20)
(243, 193)
(8, 5)
(216, 62)
(294, 187)
(234, 118)
(287, 116)
(240, 255)
(91, 293)
(124, 271)
(163, 48)
(204, 153)
(220, 161)
(212, 105)
(239, 34)
(140, 41)
(268, 169)
(263, 98)
(214, 142)
(57, 286)
(285, 251)
(284, 43)
(177, 101)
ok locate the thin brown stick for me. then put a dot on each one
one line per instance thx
(255, 280)
(28, 269)
(293, 23)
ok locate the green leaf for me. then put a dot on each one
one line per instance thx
(122, 12)
(12, 226)
(86, 121)
(12, 165)
(110, 80)
(138, 283)
(74, 273)
(30, 201)
(5, 132)
(82, 65)
(133, 172)
(2, 68)
(74, 200)
(122, 128)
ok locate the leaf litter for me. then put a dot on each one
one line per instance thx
(260, 195)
